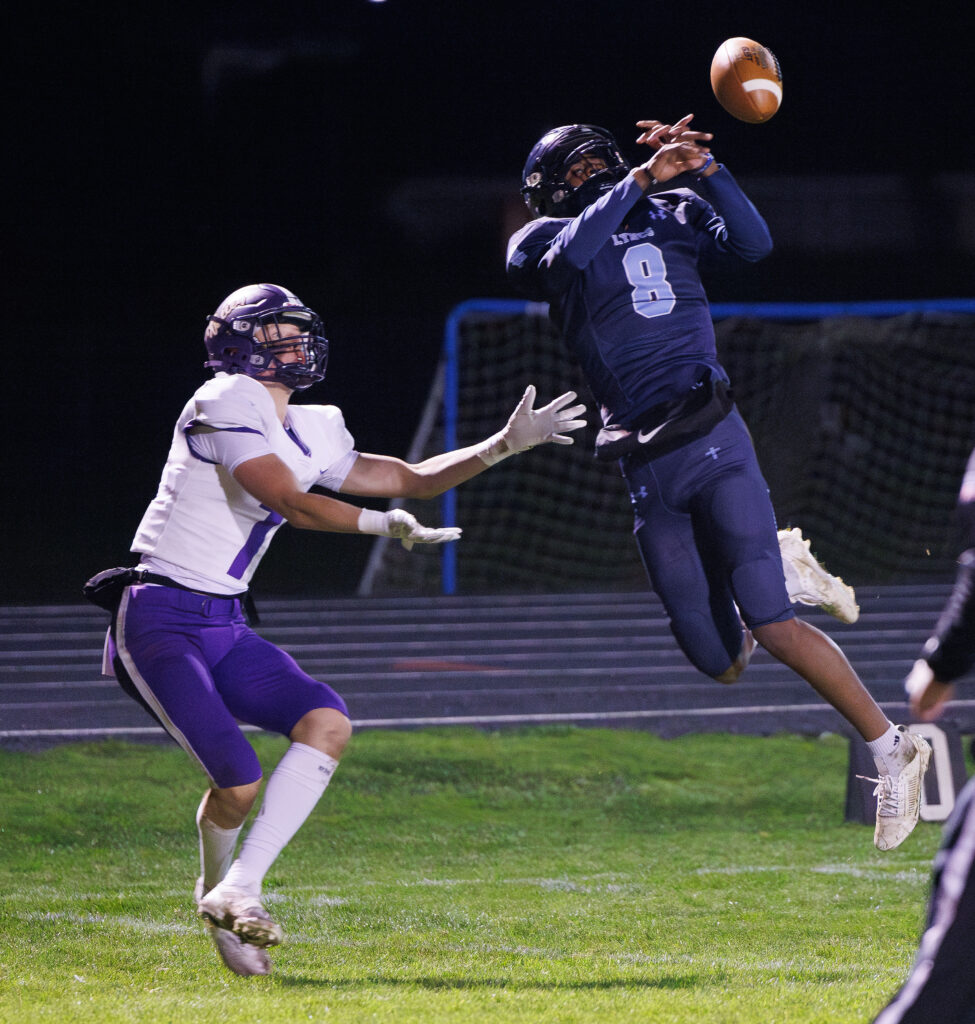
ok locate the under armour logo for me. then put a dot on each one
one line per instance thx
(713, 452)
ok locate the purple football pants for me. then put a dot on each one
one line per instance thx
(199, 669)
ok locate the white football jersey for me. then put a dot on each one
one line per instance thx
(203, 529)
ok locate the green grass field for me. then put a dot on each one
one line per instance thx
(450, 875)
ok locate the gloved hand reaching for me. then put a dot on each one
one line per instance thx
(404, 527)
(528, 427)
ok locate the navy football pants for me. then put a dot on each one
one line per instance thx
(707, 535)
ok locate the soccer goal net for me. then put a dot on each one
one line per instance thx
(863, 417)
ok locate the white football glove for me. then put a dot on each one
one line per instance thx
(528, 427)
(403, 526)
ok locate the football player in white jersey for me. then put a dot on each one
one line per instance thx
(242, 462)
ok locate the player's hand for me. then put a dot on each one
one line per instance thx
(675, 158)
(658, 134)
(926, 695)
(403, 526)
(528, 427)
(678, 148)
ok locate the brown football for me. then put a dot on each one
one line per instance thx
(747, 80)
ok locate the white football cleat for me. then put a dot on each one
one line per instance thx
(241, 913)
(239, 957)
(808, 581)
(899, 796)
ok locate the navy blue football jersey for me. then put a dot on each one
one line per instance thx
(623, 285)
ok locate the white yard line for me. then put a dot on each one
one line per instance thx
(642, 714)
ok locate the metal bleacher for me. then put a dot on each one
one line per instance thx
(489, 662)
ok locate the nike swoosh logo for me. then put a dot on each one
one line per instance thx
(644, 436)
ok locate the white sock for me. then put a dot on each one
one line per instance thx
(216, 847)
(891, 751)
(292, 791)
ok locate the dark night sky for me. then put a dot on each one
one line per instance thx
(161, 161)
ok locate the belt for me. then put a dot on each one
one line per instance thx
(245, 598)
(144, 576)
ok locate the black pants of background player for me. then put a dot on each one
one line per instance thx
(941, 986)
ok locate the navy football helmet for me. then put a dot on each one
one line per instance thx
(543, 184)
(233, 346)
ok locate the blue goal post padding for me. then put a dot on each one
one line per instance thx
(719, 311)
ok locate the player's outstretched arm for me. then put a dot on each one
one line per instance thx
(949, 653)
(527, 427)
(269, 480)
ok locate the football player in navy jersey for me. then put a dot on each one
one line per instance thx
(616, 251)
(243, 461)
(941, 984)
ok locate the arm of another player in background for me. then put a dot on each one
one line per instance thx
(388, 477)
(950, 650)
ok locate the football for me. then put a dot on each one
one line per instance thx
(746, 79)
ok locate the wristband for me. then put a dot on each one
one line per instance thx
(699, 173)
(371, 521)
(494, 449)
